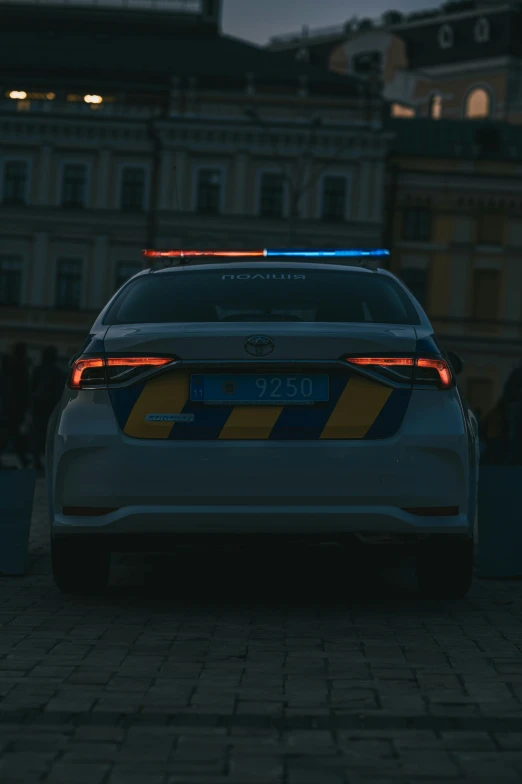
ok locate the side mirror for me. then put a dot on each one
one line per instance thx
(456, 362)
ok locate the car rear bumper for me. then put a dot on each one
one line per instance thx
(249, 519)
(259, 487)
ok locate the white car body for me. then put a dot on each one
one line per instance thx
(147, 461)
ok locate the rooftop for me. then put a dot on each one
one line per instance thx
(95, 45)
(390, 20)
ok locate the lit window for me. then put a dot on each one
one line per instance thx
(133, 189)
(478, 104)
(399, 110)
(125, 270)
(209, 191)
(68, 284)
(74, 185)
(334, 199)
(15, 182)
(416, 224)
(436, 107)
(272, 195)
(10, 281)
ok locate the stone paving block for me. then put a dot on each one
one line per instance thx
(78, 773)
(256, 767)
(277, 688)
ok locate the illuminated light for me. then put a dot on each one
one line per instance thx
(352, 253)
(79, 367)
(82, 365)
(445, 379)
(18, 95)
(93, 99)
(382, 361)
(180, 254)
(138, 361)
(440, 366)
(50, 96)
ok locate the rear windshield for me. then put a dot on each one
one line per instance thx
(244, 294)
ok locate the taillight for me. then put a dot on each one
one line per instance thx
(95, 372)
(398, 370)
(421, 371)
(86, 372)
(433, 371)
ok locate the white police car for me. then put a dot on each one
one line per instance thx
(275, 395)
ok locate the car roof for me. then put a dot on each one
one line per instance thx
(285, 264)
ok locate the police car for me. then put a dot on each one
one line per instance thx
(292, 393)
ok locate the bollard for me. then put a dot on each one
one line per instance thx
(500, 522)
(16, 509)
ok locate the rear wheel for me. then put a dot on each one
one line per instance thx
(78, 568)
(445, 567)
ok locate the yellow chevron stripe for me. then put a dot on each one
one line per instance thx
(164, 395)
(254, 422)
(357, 409)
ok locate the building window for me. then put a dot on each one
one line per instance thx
(404, 112)
(68, 284)
(10, 281)
(15, 182)
(486, 294)
(482, 30)
(491, 229)
(445, 37)
(334, 199)
(125, 270)
(416, 279)
(208, 200)
(436, 106)
(478, 104)
(367, 63)
(74, 185)
(133, 189)
(416, 225)
(272, 194)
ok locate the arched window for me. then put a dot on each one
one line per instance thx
(436, 106)
(478, 104)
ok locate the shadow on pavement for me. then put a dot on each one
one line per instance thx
(320, 578)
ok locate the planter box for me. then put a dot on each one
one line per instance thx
(16, 509)
(500, 521)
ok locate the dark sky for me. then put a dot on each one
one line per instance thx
(258, 20)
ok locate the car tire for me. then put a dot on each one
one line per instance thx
(445, 567)
(78, 568)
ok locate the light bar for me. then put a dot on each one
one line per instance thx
(161, 254)
(330, 253)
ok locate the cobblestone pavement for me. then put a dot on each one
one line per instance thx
(255, 672)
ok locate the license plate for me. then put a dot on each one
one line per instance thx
(266, 390)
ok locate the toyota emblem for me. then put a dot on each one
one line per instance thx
(259, 346)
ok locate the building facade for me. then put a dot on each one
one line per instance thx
(149, 128)
(455, 229)
(463, 61)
